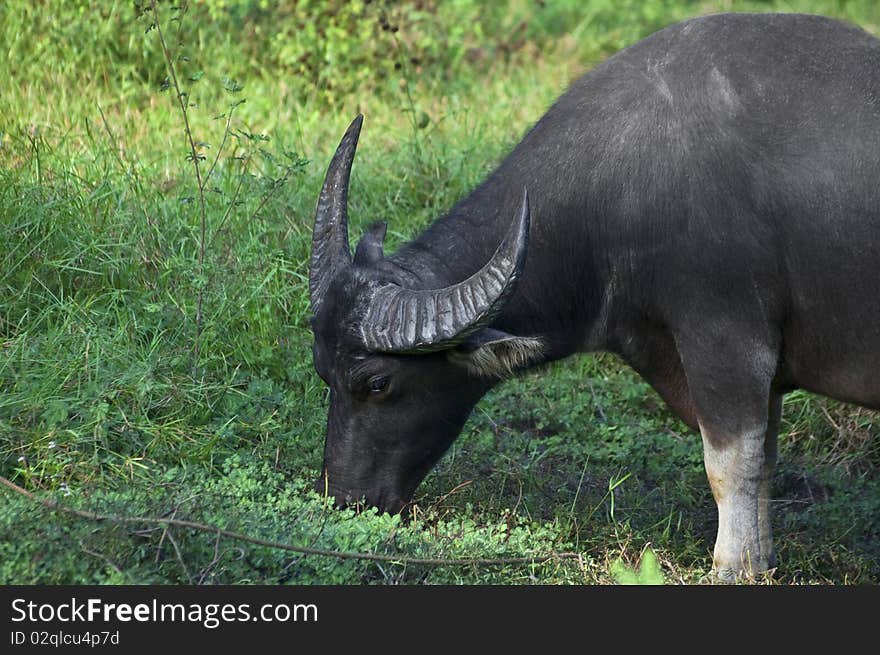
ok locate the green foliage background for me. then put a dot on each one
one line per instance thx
(103, 407)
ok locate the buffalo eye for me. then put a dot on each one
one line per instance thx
(378, 384)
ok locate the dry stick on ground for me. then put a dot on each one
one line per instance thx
(324, 552)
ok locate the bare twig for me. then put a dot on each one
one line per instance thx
(203, 574)
(166, 532)
(183, 101)
(226, 132)
(101, 556)
(323, 552)
(130, 170)
(597, 404)
(179, 556)
(219, 228)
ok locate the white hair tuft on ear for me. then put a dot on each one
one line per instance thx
(500, 358)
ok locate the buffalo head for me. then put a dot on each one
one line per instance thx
(405, 362)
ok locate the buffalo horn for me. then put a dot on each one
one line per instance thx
(330, 250)
(400, 320)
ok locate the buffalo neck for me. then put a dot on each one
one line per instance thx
(561, 293)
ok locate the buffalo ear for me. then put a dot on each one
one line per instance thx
(369, 248)
(491, 353)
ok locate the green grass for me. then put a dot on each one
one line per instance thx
(103, 406)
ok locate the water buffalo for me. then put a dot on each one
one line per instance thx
(705, 204)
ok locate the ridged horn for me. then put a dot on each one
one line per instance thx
(399, 320)
(330, 250)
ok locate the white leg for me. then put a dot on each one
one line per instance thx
(765, 487)
(730, 363)
(739, 473)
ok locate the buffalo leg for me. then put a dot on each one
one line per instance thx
(738, 415)
(740, 473)
(765, 488)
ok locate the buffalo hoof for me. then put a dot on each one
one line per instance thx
(734, 576)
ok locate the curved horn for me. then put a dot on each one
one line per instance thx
(330, 250)
(407, 321)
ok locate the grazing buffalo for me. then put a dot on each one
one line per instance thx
(705, 204)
